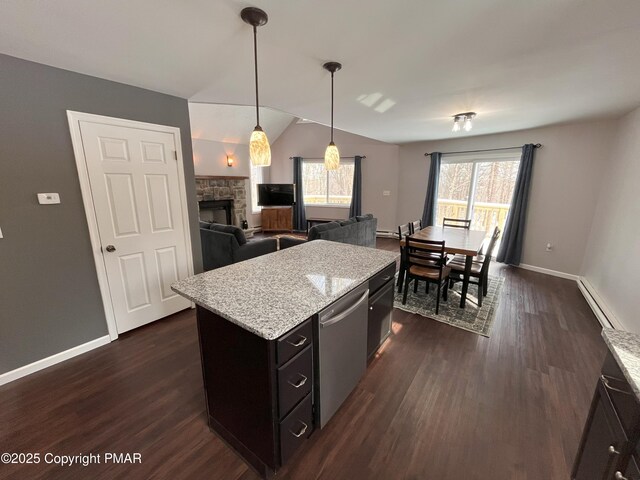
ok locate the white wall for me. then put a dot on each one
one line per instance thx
(567, 172)
(379, 169)
(210, 158)
(612, 262)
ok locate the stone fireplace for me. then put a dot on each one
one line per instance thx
(222, 198)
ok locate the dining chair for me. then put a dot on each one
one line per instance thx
(479, 268)
(456, 223)
(426, 260)
(403, 232)
(416, 226)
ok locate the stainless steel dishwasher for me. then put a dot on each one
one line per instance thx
(341, 351)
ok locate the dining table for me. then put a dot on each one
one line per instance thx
(457, 241)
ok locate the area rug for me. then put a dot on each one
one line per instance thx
(470, 318)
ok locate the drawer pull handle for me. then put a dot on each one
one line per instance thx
(619, 476)
(387, 278)
(605, 380)
(302, 430)
(299, 343)
(612, 450)
(300, 382)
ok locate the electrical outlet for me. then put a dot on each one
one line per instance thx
(549, 247)
(386, 193)
(1, 233)
(48, 198)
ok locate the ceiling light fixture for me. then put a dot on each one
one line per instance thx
(259, 148)
(331, 154)
(456, 123)
(463, 120)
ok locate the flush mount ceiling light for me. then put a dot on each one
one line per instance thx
(259, 148)
(463, 120)
(331, 154)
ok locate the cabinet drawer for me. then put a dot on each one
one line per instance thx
(295, 429)
(379, 279)
(294, 381)
(294, 341)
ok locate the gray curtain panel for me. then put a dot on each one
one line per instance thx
(511, 246)
(299, 216)
(356, 194)
(431, 200)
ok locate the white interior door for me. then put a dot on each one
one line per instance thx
(134, 180)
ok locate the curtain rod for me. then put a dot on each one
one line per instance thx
(537, 145)
(322, 158)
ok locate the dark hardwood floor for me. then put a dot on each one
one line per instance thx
(437, 403)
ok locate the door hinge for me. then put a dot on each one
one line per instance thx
(175, 155)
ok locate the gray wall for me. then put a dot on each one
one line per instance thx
(379, 169)
(49, 297)
(567, 174)
(611, 263)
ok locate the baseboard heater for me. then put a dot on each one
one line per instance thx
(598, 311)
(386, 234)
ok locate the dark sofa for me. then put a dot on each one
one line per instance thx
(359, 230)
(225, 244)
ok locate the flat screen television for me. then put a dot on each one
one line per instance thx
(276, 194)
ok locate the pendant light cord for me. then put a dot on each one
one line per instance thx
(255, 57)
(331, 107)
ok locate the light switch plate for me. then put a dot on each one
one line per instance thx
(48, 198)
(1, 233)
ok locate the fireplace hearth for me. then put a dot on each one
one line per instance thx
(223, 200)
(214, 205)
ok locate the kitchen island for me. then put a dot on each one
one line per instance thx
(284, 338)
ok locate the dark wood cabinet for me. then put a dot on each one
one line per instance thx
(258, 391)
(277, 219)
(381, 293)
(610, 438)
(631, 472)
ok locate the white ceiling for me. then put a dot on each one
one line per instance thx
(408, 66)
(234, 123)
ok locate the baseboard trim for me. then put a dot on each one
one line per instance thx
(548, 271)
(605, 316)
(52, 360)
(386, 234)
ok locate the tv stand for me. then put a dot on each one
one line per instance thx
(277, 219)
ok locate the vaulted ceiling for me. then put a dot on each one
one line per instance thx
(408, 65)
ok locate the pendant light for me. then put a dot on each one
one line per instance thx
(331, 154)
(259, 148)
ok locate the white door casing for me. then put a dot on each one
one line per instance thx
(133, 189)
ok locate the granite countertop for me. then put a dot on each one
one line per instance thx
(625, 348)
(271, 294)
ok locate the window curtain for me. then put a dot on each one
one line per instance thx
(356, 195)
(511, 246)
(299, 217)
(431, 200)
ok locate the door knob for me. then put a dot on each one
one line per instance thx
(110, 248)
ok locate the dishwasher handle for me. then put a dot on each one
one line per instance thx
(331, 320)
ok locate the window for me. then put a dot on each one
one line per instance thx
(257, 176)
(327, 187)
(477, 188)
